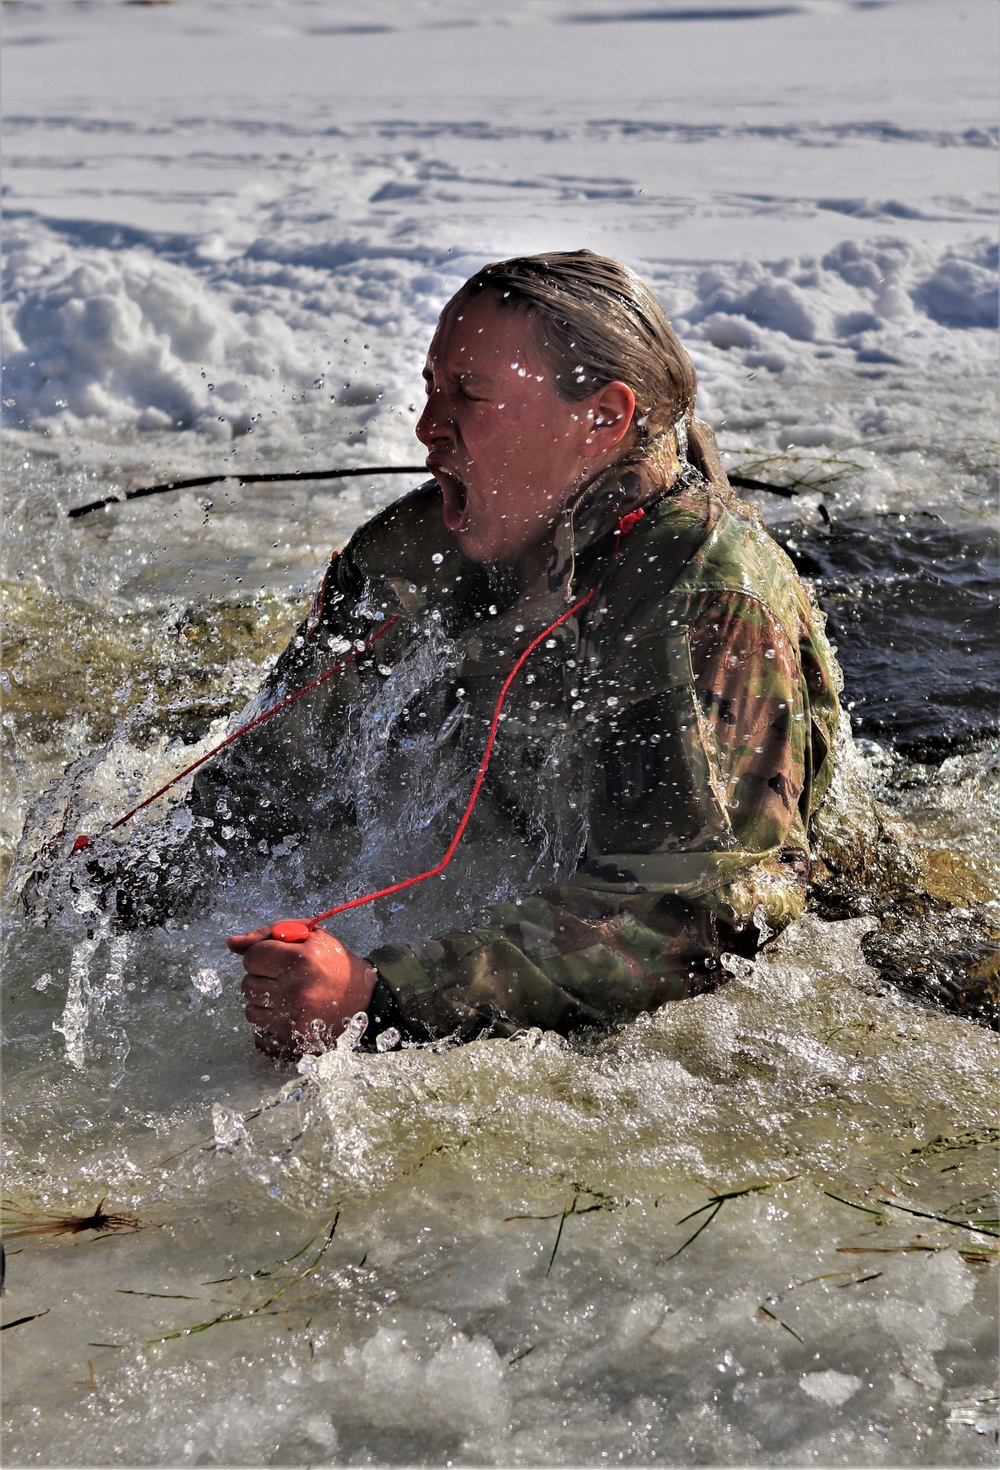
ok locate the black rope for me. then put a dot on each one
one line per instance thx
(739, 482)
(743, 482)
(258, 479)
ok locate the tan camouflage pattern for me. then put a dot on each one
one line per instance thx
(697, 695)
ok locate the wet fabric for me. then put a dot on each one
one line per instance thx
(690, 710)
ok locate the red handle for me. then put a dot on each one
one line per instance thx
(291, 931)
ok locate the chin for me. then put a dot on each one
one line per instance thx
(473, 549)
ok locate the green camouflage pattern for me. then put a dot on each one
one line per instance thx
(695, 699)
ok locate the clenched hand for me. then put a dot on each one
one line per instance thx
(299, 995)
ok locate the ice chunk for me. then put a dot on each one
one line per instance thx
(829, 1386)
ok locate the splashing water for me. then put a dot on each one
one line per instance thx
(511, 1216)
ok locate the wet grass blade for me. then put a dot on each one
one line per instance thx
(261, 1272)
(762, 1311)
(944, 1220)
(167, 1296)
(601, 1201)
(555, 1215)
(886, 1250)
(986, 1255)
(568, 1210)
(851, 1205)
(703, 1226)
(240, 1315)
(19, 1321)
(21, 1222)
(715, 1204)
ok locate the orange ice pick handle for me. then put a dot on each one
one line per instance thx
(291, 931)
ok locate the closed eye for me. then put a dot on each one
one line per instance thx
(469, 388)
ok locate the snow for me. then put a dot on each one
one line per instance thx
(277, 200)
(146, 342)
(830, 1387)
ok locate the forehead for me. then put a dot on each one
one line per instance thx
(479, 336)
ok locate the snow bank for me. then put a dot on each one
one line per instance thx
(131, 338)
(134, 338)
(883, 301)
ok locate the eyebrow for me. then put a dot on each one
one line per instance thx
(462, 377)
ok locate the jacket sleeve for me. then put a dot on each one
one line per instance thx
(699, 807)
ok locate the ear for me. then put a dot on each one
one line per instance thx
(608, 418)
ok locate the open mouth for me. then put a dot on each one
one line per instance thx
(455, 507)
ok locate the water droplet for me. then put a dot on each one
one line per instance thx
(208, 982)
(760, 923)
(354, 1030)
(229, 1128)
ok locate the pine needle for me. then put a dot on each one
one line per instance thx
(715, 1204)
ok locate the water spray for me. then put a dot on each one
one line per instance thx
(85, 841)
(297, 931)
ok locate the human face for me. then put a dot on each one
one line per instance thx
(506, 448)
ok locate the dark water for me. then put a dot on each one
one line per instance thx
(913, 605)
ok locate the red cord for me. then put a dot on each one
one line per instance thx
(294, 931)
(84, 841)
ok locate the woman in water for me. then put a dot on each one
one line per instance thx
(693, 694)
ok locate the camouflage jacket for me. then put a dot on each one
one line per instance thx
(695, 696)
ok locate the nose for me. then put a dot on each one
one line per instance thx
(434, 424)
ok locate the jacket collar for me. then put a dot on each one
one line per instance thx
(645, 473)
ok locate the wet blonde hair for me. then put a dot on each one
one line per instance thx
(597, 322)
